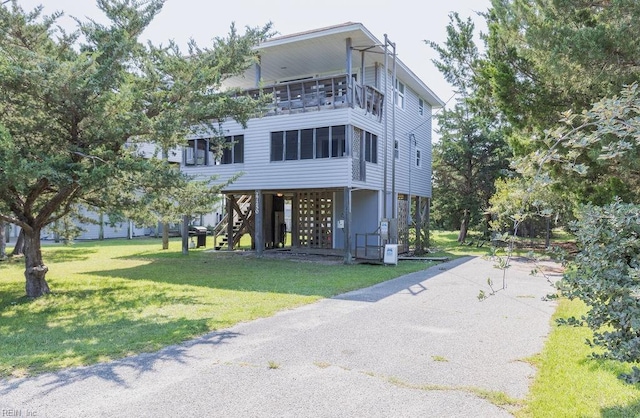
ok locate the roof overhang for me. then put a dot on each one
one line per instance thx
(322, 52)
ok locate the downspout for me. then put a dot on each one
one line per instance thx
(386, 117)
(394, 202)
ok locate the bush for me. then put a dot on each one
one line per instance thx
(606, 276)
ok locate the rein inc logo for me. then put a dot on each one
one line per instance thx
(18, 413)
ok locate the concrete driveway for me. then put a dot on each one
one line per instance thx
(421, 345)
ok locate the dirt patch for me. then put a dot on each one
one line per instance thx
(297, 256)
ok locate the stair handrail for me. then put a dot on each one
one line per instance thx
(221, 227)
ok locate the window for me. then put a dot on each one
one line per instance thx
(238, 149)
(322, 143)
(195, 153)
(337, 141)
(291, 145)
(227, 154)
(232, 151)
(396, 151)
(277, 146)
(421, 107)
(418, 158)
(370, 148)
(306, 144)
(400, 94)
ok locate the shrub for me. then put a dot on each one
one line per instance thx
(606, 276)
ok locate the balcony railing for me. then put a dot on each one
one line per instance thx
(319, 94)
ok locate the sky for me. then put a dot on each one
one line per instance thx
(408, 23)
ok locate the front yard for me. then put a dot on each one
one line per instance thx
(115, 298)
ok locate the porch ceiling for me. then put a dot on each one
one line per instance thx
(323, 52)
(309, 54)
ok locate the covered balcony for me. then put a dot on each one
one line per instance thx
(315, 94)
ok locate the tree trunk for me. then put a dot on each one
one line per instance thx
(35, 270)
(165, 236)
(185, 234)
(3, 241)
(18, 249)
(464, 226)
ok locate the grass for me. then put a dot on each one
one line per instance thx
(446, 244)
(115, 298)
(571, 384)
(497, 398)
(273, 365)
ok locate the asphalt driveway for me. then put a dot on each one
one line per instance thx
(421, 345)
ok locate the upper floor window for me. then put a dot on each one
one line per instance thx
(233, 150)
(370, 147)
(195, 153)
(396, 151)
(305, 144)
(421, 107)
(418, 158)
(400, 94)
(207, 151)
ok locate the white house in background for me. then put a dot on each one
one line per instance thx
(345, 144)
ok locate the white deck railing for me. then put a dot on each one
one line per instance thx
(320, 94)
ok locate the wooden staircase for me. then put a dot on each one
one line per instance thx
(241, 217)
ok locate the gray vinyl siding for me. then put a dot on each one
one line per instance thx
(259, 173)
(374, 171)
(408, 121)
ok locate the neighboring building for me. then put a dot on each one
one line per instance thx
(345, 145)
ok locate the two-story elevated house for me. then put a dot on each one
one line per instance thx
(345, 144)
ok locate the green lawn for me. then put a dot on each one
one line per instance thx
(571, 384)
(115, 298)
(446, 245)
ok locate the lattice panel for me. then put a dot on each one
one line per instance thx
(403, 225)
(315, 219)
(356, 152)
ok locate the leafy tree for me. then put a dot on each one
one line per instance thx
(472, 151)
(550, 60)
(469, 157)
(75, 104)
(549, 56)
(605, 272)
(518, 202)
(605, 276)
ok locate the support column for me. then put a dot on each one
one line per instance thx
(427, 223)
(259, 223)
(347, 226)
(349, 66)
(295, 221)
(258, 68)
(230, 218)
(419, 250)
